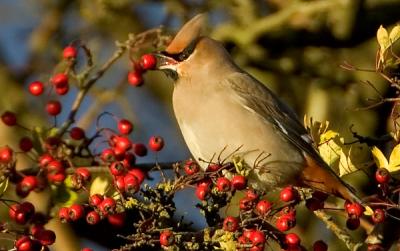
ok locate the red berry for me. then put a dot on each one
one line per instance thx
(28, 208)
(320, 246)
(356, 210)
(84, 173)
(135, 78)
(56, 178)
(206, 183)
(167, 238)
(13, 210)
(213, 167)
(70, 52)
(382, 176)
(285, 222)
(21, 213)
(191, 167)
(9, 118)
(93, 218)
(24, 243)
(156, 143)
(292, 239)
(36, 228)
(59, 80)
(63, 214)
(45, 159)
(251, 194)
(122, 143)
(239, 182)
(314, 204)
(117, 168)
(289, 194)
(62, 90)
(117, 220)
(45, 237)
(257, 238)
(231, 224)
(108, 205)
(76, 212)
(223, 184)
(108, 155)
(201, 192)
(378, 216)
(87, 249)
(29, 183)
(53, 107)
(375, 247)
(263, 207)
(25, 144)
(95, 200)
(6, 155)
(77, 133)
(140, 149)
(353, 223)
(36, 88)
(119, 183)
(125, 126)
(148, 61)
(138, 173)
(131, 184)
(129, 160)
(246, 204)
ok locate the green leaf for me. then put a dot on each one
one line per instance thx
(64, 196)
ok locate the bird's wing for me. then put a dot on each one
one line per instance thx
(263, 102)
(259, 99)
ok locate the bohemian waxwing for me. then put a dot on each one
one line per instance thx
(222, 110)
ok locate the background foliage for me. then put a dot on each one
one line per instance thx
(293, 46)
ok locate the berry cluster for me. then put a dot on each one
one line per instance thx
(39, 237)
(65, 156)
(146, 62)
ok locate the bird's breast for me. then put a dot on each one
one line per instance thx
(215, 122)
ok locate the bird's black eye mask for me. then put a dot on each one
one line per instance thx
(182, 56)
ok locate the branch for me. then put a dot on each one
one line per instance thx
(342, 234)
(132, 42)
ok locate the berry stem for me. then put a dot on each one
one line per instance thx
(132, 41)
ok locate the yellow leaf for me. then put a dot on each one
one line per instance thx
(383, 38)
(379, 158)
(315, 128)
(353, 158)
(383, 41)
(368, 211)
(99, 185)
(3, 187)
(345, 165)
(394, 160)
(330, 149)
(394, 34)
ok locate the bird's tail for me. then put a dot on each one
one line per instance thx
(324, 179)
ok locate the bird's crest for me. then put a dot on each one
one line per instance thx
(188, 33)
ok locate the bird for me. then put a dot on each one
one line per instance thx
(222, 110)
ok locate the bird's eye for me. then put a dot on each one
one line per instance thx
(187, 51)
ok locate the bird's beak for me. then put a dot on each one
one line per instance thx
(165, 62)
